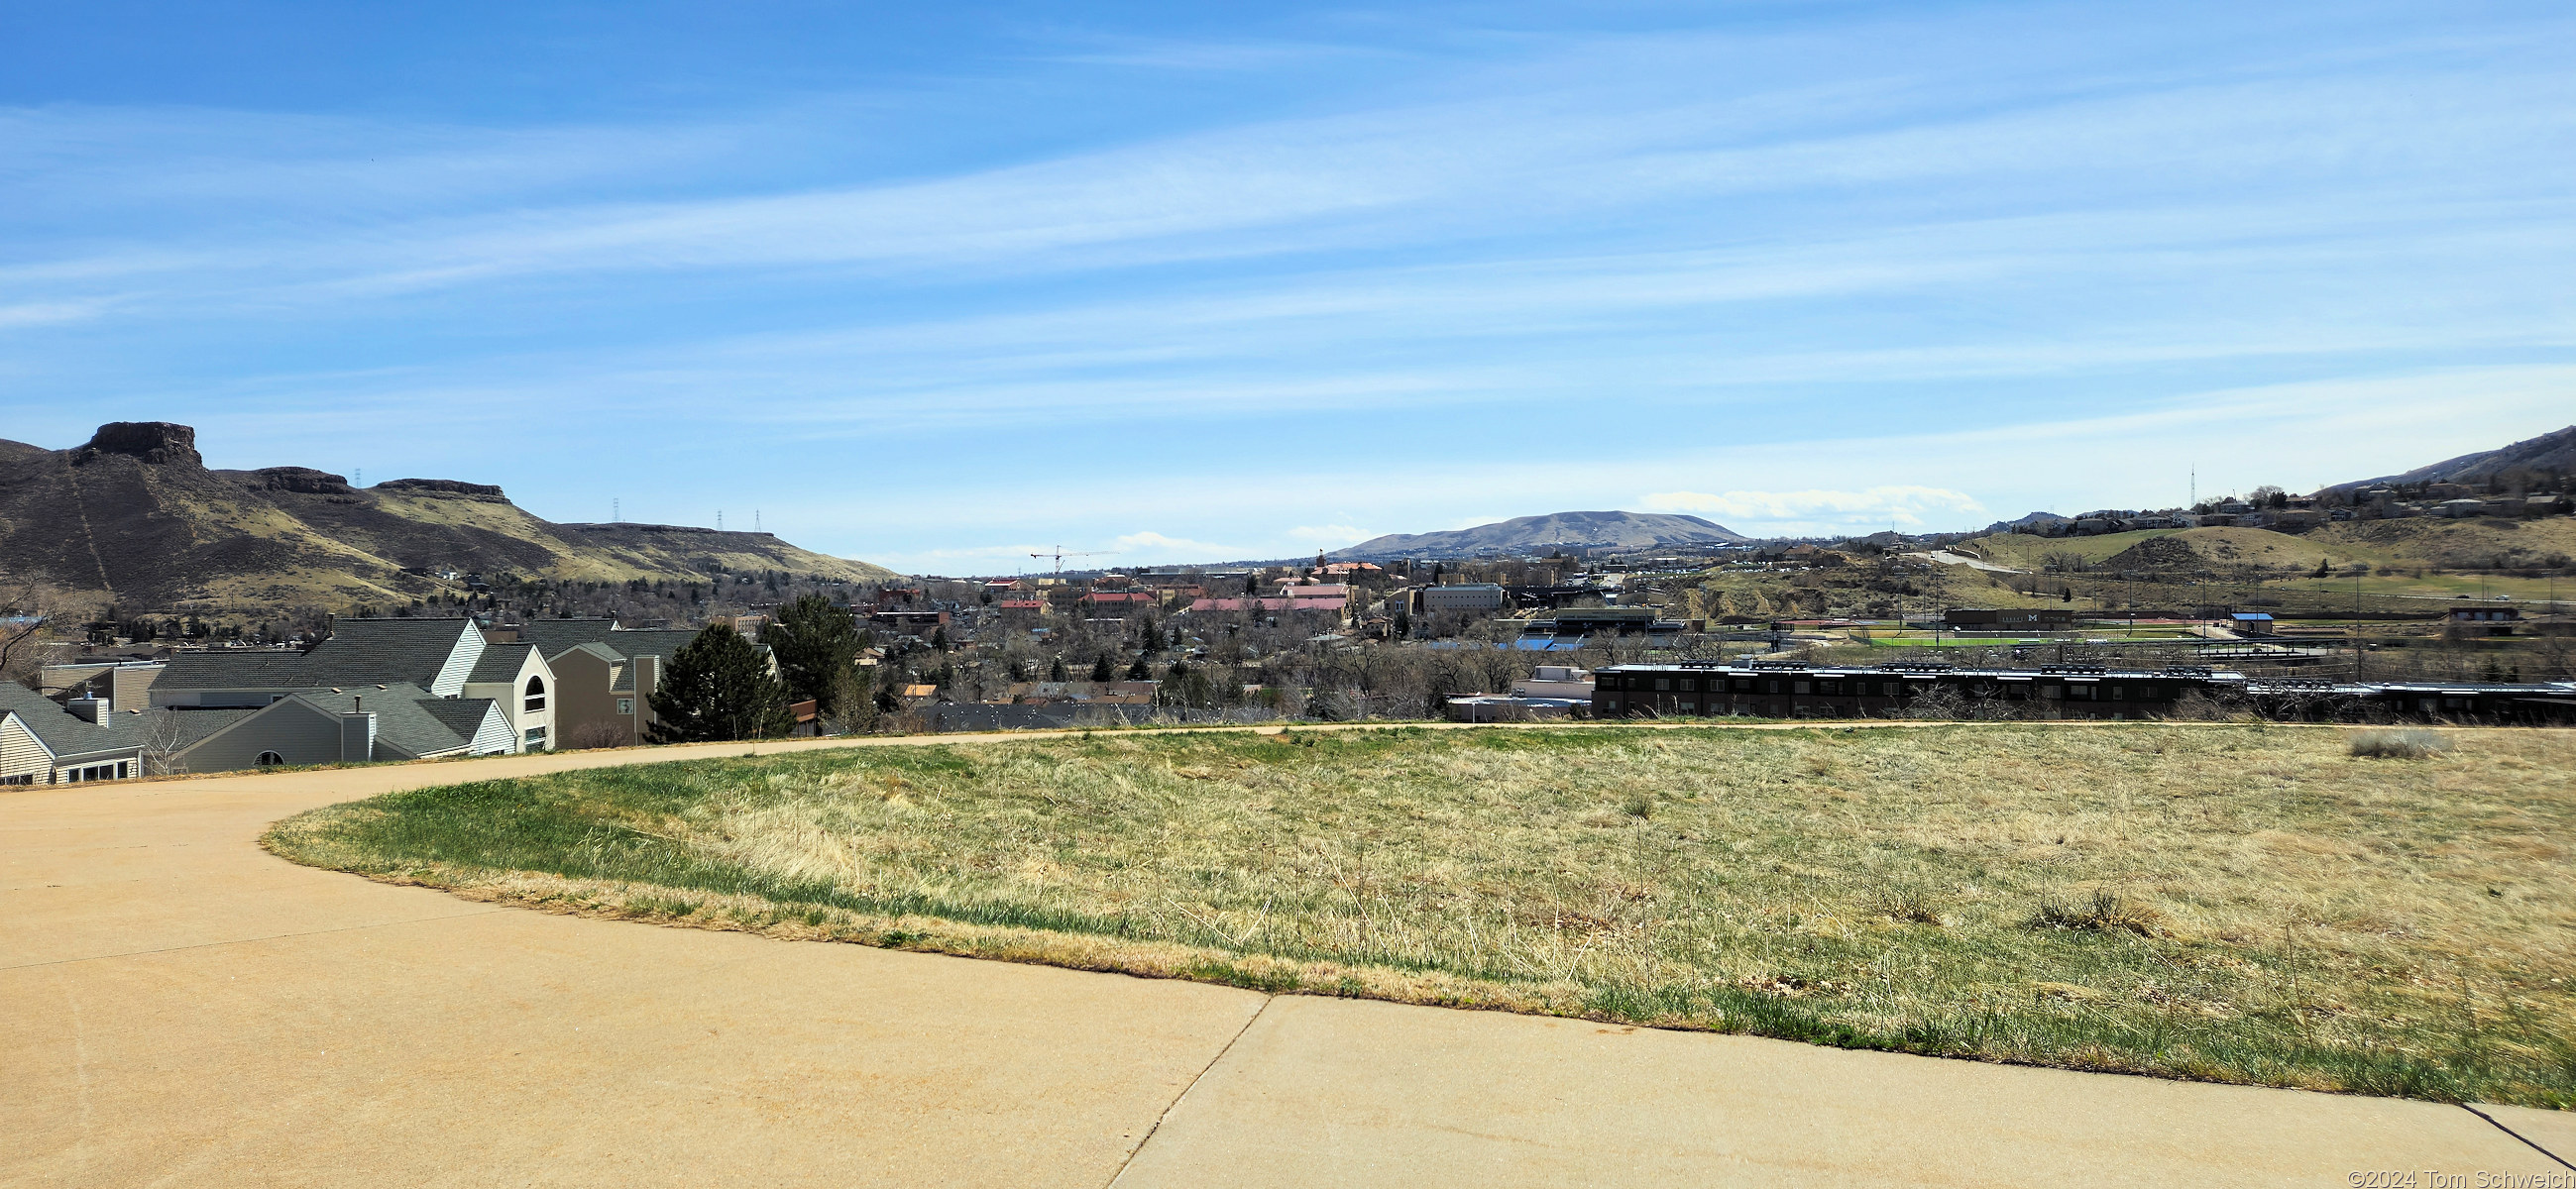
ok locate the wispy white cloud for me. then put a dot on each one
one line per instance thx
(1512, 273)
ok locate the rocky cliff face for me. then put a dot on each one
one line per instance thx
(156, 442)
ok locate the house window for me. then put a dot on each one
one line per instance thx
(21, 778)
(536, 699)
(1663, 683)
(1800, 687)
(625, 706)
(536, 737)
(270, 759)
(1744, 685)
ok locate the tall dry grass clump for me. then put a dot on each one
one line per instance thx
(2398, 744)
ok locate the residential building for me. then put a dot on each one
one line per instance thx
(392, 662)
(43, 742)
(1117, 600)
(604, 677)
(392, 721)
(124, 682)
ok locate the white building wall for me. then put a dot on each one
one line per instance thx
(23, 760)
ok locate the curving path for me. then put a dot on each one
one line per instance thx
(178, 1007)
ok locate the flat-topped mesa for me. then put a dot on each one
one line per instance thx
(436, 487)
(159, 442)
(301, 479)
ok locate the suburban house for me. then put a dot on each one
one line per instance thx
(604, 676)
(42, 742)
(392, 721)
(390, 688)
(124, 682)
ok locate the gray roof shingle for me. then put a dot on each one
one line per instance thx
(499, 663)
(552, 637)
(225, 669)
(367, 651)
(63, 733)
(409, 719)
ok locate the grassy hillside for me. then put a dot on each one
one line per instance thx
(141, 523)
(2245, 904)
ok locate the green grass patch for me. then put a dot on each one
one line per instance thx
(2250, 904)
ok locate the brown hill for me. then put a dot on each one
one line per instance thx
(2549, 455)
(134, 517)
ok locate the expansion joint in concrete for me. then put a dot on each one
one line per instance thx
(2499, 1125)
(1184, 1095)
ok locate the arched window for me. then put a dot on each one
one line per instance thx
(536, 699)
(269, 759)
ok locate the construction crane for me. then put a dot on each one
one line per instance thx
(1062, 553)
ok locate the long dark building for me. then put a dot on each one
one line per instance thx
(1785, 689)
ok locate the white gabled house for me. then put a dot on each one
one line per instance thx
(42, 742)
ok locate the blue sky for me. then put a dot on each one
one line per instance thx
(940, 285)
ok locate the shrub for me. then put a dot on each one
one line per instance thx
(2398, 745)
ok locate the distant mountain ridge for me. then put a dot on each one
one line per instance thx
(1619, 530)
(2554, 451)
(134, 517)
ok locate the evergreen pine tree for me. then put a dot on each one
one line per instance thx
(719, 688)
(1140, 671)
(1055, 670)
(816, 644)
(1101, 669)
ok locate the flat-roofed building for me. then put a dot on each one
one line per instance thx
(1469, 596)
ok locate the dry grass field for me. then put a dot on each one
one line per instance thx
(2239, 903)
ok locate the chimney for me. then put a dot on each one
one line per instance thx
(357, 733)
(91, 710)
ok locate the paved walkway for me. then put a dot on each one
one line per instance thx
(178, 1007)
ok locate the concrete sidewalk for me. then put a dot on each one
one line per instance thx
(179, 1007)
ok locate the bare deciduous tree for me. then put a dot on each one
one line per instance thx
(27, 608)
